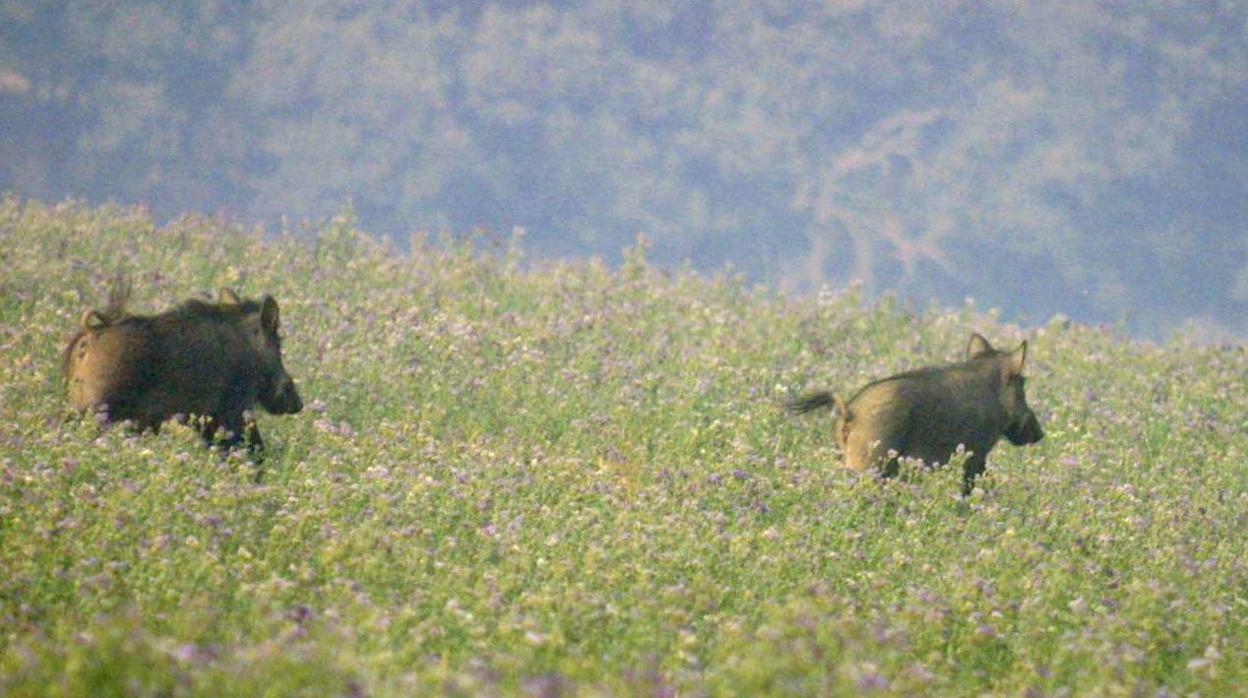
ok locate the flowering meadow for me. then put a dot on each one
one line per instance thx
(526, 477)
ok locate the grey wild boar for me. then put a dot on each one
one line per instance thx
(210, 361)
(929, 412)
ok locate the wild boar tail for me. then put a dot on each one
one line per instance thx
(119, 294)
(115, 310)
(814, 401)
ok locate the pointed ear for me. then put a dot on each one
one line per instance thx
(92, 320)
(1014, 360)
(227, 298)
(978, 346)
(269, 317)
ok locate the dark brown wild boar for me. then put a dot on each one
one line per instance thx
(929, 412)
(212, 361)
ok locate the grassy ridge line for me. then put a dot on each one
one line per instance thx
(521, 477)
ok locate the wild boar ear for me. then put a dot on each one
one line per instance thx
(227, 298)
(269, 317)
(1014, 360)
(978, 346)
(92, 320)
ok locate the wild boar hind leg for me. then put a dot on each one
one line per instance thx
(864, 453)
(228, 432)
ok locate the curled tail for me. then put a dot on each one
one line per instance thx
(814, 401)
(118, 295)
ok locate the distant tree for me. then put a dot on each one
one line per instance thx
(123, 101)
(1081, 157)
(358, 102)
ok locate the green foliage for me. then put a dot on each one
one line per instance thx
(526, 479)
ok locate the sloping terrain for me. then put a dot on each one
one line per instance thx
(523, 477)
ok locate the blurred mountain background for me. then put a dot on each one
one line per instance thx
(1089, 158)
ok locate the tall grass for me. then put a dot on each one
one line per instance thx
(524, 477)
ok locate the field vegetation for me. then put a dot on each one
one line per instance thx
(530, 477)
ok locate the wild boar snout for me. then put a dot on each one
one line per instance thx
(1026, 432)
(283, 398)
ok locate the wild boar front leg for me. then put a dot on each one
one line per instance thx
(255, 444)
(975, 465)
(224, 431)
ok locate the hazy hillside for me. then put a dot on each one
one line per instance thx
(1081, 156)
(519, 477)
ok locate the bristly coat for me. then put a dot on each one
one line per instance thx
(929, 412)
(212, 361)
